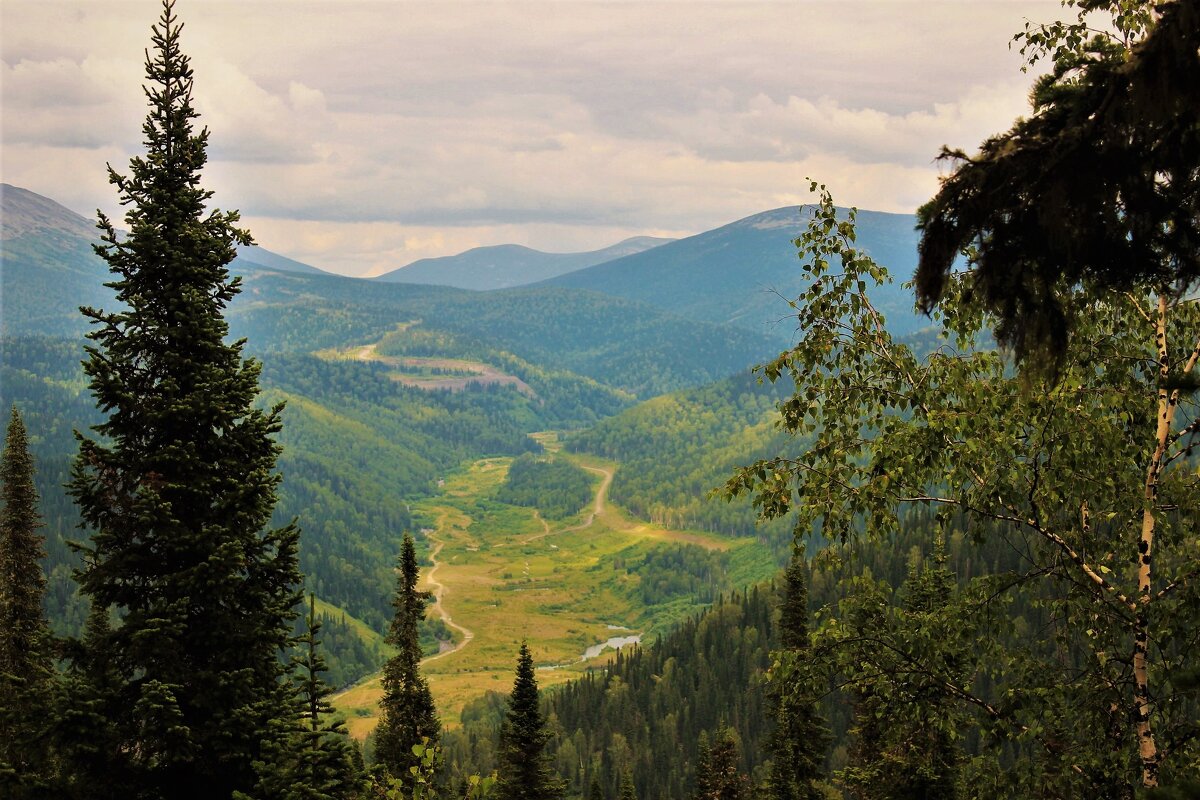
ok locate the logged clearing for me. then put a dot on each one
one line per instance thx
(502, 574)
(453, 374)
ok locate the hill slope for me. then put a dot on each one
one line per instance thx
(507, 265)
(739, 274)
(50, 269)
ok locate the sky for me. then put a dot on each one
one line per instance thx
(362, 136)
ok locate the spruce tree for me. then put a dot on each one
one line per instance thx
(26, 646)
(717, 775)
(316, 762)
(523, 770)
(179, 485)
(628, 792)
(409, 715)
(800, 738)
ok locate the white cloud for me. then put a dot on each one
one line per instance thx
(363, 135)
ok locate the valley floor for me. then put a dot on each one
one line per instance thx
(502, 574)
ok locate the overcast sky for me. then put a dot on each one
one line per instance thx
(361, 136)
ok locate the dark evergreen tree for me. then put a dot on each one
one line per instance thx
(409, 715)
(905, 726)
(179, 485)
(717, 774)
(800, 739)
(316, 762)
(26, 647)
(595, 793)
(628, 792)
(523, 770)
(89, 739)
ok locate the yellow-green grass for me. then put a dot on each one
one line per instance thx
(507, 580)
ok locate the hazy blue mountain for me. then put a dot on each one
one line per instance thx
(255, 257)
(50, 269)
(507, 265)
(739, 274)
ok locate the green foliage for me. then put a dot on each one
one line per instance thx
(628, 792)
(27, 652)
(423, 782)
(717, 775)
(1080, 476)
(800, 738)
(186, 683)
(1098, 187)
(675, 448)
(316, 760)
(683, 571)
(524, 768)
(619, 343)
(557, 488)
(409, 717)
(648, 712)
(905, 724)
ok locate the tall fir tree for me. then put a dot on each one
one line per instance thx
(800, 739)
(179, 486)
(524, 771)
(317, 760)
(27, 672)
(717, 774)
(628, 791)
(409, 715)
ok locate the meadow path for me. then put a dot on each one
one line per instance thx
(438, 590)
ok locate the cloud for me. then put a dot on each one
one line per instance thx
(364, 135)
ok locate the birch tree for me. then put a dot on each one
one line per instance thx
(1088, 475)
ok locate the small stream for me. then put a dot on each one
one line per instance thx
(616, 643)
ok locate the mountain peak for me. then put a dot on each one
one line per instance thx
(24, 212)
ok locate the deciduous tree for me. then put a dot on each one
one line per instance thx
(1086, 476)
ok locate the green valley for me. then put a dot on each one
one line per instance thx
(505, 574)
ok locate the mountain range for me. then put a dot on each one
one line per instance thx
(507, 265)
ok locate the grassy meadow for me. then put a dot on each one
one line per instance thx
(506, 575)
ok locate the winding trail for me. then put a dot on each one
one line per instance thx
(438, 590)
(597, 508)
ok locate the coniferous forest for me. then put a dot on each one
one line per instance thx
(884, 564)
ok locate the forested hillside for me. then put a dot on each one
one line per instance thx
(352, 454)
(743, 273)
(651, 712)
(676, 449)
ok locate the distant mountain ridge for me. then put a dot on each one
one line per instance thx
(742, 273)
(23, 213)
(509, 265)
(27, 213)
